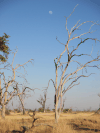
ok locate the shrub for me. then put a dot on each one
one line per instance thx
(7, 112)
(17, 110)
(67, 110)
(61, 110)
(47, 110)
(40, 110)
(30, 110)
(53, 110)
(10, 110)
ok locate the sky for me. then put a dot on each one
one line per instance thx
(33, 26)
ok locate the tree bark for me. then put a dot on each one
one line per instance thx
(61, 102)
(23, 111)
(3, 111)
(56, 112)
(44, 106)
(22, 105)
(3, 106)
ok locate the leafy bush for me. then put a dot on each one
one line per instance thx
(7, 112)
(53, 110)
(67, 110)
(30, 110)
(15, 109)
(40, 110)
(47, 110)
(18, 111)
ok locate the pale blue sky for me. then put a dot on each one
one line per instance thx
(33, 26)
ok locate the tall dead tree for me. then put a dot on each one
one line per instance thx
(59, 91)
(4, 100)
(42, 100)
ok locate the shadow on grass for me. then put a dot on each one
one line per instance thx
(80, 127)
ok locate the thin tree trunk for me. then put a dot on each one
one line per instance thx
(61, 102)
(23, 109)
(56, 112)
(22, 105)
(56, 102)
(3, 111)
(44, 109)
(3, 106)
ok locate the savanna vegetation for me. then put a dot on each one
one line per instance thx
(43, 120)
(71, 122)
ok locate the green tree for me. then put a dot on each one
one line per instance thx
(4, 48)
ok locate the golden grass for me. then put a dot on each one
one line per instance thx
(68, 123)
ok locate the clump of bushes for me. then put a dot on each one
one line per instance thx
(7, 112)
(40, 110)
(10, 110)
(67, 110)
(64, 110)
(30, 110)
(47, 110)
(53, 110)
(17, 110)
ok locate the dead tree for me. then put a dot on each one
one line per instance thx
(71, 77)
(42, 100)
(4, 100)
(23, 93)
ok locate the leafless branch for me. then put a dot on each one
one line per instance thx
(68, 17)
(60, 42)
(69, 87)
(53, 83)
(85, 65)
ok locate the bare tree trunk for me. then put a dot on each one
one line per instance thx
(56, 118)
(22, 105)
(60, 103)
(3, 106)
(56, 112)
(23, 110)
(3, 111)
(44, 107)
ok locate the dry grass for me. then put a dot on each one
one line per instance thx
(68, 123)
